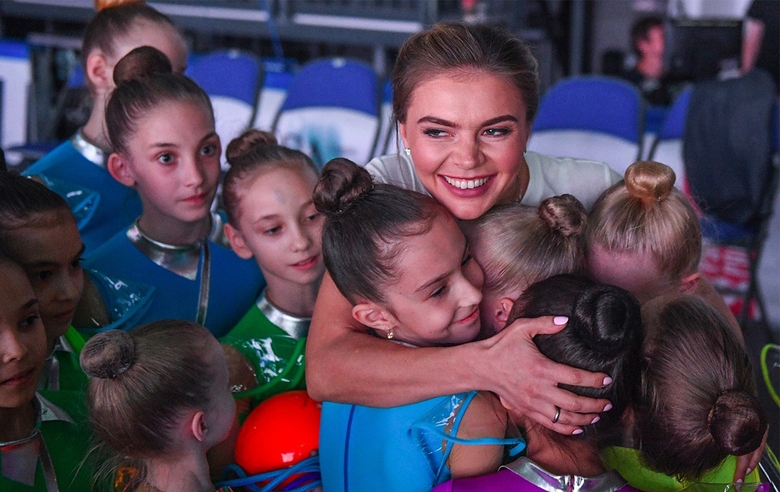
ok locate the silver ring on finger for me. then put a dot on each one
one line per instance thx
(557, 415)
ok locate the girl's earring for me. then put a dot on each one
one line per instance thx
(408, 151)
(390, 333)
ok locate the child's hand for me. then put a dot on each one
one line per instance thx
(527, 381)
(748, 462)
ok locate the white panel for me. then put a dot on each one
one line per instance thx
(669, 152)
(232, 117)
(15, 74)
(270, 102)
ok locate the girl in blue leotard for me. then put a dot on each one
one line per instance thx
(81, 160)
(161, 127)
(401, 260)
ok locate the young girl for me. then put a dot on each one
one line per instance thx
(697, 408)
(643, 235)
(159, 397)
(400, 259)
(43, 436)
(271, 217)
(161, 127)
(81, 161)
(517, 245)
(604, 333)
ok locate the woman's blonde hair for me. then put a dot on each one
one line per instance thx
(517, 245)
(645, 213)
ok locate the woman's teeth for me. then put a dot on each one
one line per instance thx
(466, 184)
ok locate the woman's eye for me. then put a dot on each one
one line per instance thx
(435, 132)
(209, 150)
(165, 159)
(497, 132)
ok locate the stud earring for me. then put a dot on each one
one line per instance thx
(408, 151)
(390, 334)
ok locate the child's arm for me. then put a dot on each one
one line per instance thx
(485, 417)
(345, 364)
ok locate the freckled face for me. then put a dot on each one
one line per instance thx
(467, 133)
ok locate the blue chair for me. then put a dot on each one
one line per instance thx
(272, 96)
(331, 110)
(597, 118)
(232, 79)
(667, 147)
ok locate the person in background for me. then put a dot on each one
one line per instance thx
(648, 44)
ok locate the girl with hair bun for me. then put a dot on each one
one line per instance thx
(604, 334)
(267, 194)
(644, 235)
(517, 246)
(161, 128)
(117, 28)
(697, 409)
(400, 259)
(43, 434)
(159, 399)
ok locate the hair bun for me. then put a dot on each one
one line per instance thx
(141, 62)
(564, 214)
(246, 142)
(341, 183)
(604, 316)
(108, 354)
(649, 181)
(737, 422)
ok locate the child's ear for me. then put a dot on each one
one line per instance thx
(237, 242)
(98, 71)
(198, 425)
(501, 313)
(120, 170)
(689, 284)
(402, 133)
(374, 316)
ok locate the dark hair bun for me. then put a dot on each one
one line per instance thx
(604, 315)
(141, 62)
(736, 422)
(564, 214)
(108, 354)
(248, 141)
(341, 183)
(649, 181)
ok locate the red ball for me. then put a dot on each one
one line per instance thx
(282, 431)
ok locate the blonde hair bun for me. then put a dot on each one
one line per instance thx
(649, 181)
(564, 214)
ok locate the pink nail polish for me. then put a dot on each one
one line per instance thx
(608, 407)
(607, 380)
(560, 320)
(577, 432)
(595, 420)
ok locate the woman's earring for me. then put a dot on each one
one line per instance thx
(408, 151)
(390, 334)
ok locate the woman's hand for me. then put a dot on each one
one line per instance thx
(527, 381)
